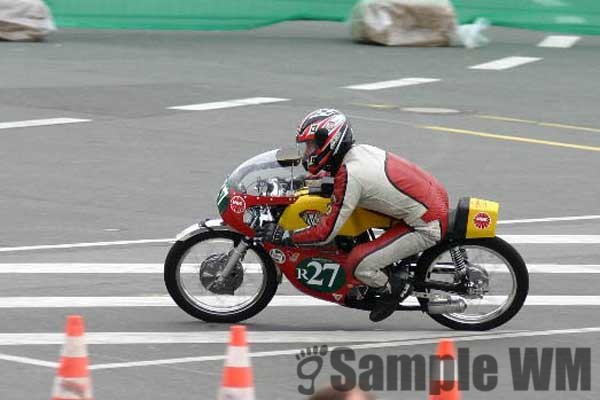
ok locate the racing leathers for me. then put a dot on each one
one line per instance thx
(374, 179)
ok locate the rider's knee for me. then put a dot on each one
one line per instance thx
(370, 276)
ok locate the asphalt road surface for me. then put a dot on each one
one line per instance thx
(130, 168)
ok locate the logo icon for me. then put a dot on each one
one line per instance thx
(237, 204)
(311, 217)
(482, 220)
(278, 256)
(309, 366)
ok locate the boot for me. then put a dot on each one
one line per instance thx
(387, 303)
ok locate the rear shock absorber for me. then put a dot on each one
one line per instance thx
(459, 261)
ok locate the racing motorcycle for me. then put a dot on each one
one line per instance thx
(217, 271)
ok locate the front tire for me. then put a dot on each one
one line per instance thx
(432, 259)
(192, 294)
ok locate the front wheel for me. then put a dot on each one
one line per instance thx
(192, 269)
(496, 270)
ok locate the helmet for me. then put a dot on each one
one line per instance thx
(332, 135)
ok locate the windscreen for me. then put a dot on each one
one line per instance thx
(274, 173)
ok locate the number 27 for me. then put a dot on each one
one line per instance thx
(319, 269)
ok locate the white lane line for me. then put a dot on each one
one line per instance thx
(103, 268)
(551, 268)
(278, 301)
(404, 343)
(551, 219)
(505, 63)
(29, 361)
(519, 239)
(83, 245)
(249, 268)
(327, 338)
(392, 84)
(228, 104)
(552, 239)
(80, 268)
(559, 41)
(41, 122)
(212, 337)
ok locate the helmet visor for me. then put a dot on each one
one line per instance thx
(308, 148)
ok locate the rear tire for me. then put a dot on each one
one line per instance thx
(177, 292)
(514, 262)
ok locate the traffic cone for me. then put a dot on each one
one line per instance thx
(441, 388)
(72, 380)
(238, 381)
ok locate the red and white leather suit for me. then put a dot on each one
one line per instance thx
(374, 179)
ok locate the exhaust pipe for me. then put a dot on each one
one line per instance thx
(446, 305)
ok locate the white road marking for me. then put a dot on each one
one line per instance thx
(505, 63)
(101, 268)
(262, 354)
(552, 239)
(552, 219)
(278, 301)
(212, 337)
(228, 104)
(520, 239)
(250, 268)
(329, 335)
(29, 361)
(41, 122)
(83, 245)
(392, 84)
(559, 41)
(551, 268)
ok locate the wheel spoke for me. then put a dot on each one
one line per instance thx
(200, 272)
(483, 264)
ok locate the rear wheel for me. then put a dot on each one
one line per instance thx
(496, 270)
(192, 269)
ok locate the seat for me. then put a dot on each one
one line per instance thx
(457, 218)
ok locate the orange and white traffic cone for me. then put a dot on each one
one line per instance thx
(441, 388)
(72, 380)
(238, 380)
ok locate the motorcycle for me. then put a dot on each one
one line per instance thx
(217, 271)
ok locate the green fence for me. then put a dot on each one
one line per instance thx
(574, 16)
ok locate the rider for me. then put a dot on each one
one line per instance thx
(368, 177)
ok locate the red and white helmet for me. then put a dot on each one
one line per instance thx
(332, 134)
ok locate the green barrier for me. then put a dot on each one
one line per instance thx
(569, 16)
(566, 16)
(193, 14)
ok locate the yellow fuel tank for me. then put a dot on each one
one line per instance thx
(311, 208)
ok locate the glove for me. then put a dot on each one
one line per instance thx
(272, 232)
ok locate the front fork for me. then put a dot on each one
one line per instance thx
(236, 254)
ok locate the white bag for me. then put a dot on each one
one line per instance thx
(404, 22)
(25, 20)
(471, 35)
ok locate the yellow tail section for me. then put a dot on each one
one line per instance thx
(482, 218)
(309, 209)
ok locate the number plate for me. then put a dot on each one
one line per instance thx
(321, 274)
